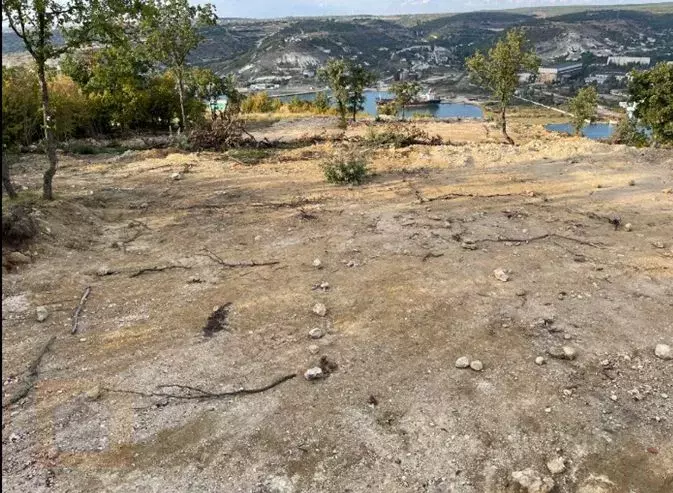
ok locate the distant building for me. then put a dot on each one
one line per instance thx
(559, 72)
(628, 60)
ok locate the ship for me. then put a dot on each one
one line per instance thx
(427, 99)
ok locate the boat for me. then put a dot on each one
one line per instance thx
(427, 99)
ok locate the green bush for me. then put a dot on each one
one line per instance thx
(627, 132)
(21, 112)
(346, 166)
(260, 103)
(400, 135)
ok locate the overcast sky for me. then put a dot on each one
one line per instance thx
(282, 8)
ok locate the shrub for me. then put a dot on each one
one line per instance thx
(346, 166)
(322, 103)
(21, 113)
(627, 132)
(400, 135)
(260, 103)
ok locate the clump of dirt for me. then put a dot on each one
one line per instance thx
(18, 226)
(217, 321)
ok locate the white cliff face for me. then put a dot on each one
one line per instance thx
(298, 60)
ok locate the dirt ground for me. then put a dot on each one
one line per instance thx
(409, 260)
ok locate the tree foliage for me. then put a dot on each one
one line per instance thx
(499, 69)
(652, 92)
(583, 107)
(405, 93)
(347, 81)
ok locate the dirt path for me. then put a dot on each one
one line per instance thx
(409, 262)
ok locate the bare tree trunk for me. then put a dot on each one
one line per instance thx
(6, 180)
(181, 92)
(503, 123)
(49, 141)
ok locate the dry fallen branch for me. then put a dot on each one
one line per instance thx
(451, 196)
(30, 378)
(78, 310)
(196, 393)
(158, 269)
(540, 237)
(431, 255)
(232, 265)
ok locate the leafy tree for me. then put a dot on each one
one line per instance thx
(20, 107)
(499, 69)
(322, 102)
(583, 107)
(80, 22)
(209, 86)
(652, 92)
(405, 93)
(171, 34)
(335, 74)
(357, 79)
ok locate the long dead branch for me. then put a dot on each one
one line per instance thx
(78, 310)
(540, 237)
(232, 265)
(27, 386)
(200, 394)
(451, 196)
(144, 270)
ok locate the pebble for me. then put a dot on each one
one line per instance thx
(564, 352)
(317, 263)
(94, 393)
(477, 365)
(501, 275)
(462, 362)
(18, 258)
(41, 313)
(320, 309)
(521, 292)
(103, 271)
(316, 333)
(313, 349)
(658, 244)
(628, 227)
(556, 465)
(176, 176)
(613, 397)
(663, 351)
(540, 361)
(314, 373)
(531, 482)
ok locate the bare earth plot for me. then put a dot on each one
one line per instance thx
(406, 274)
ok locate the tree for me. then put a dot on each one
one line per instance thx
(583, 107)
(322, 102)
(499, 69)
(652, 93)
(335, 74)
(171, 34)
(357, 79)
(79, 22)
(405, 93)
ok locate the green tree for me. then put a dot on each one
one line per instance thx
(499, 69)
(322, 102)
(79, 22)
(335, 74)
(405, 93)
(357, 80)
(652, 92)
(207, 86)
(583, 107)
(171, 34)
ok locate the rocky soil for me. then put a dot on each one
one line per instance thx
(475, 318)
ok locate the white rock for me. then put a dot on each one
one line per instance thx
(314, 373)
(628, 227)
(501, 275)
(103, 271)
(176, 176)
(18, 258)
(317, 263)
(41, 313)
(540, 360)
(462, 362)
(477, 365)
(532, 482)
(316, 333)
(320, 309)
(663, 351)
(313, 349)
(556, 465)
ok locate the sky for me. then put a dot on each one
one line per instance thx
(283, 8)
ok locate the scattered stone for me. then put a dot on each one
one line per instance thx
(462, 362)
(520, 292)
(667, 190)
(314, 373)
(556, 465)
(613, 397)
(18, 258)
(501, 275)
(540, 361)
(468, 246)
(532, 482)
(176, 176)
(316, 333)
(596, 484)
(564, 352)
(567, 392)
(317, 263)
(103, 271)
(628, 227)
(477, 365)
(663, 351)
(314, 349)
(567, 337)
(658, 244)
(41, 313)
(352, 263)
(94, 393)
(320, 309)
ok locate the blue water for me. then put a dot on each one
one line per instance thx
(594, 131)
(442, 110)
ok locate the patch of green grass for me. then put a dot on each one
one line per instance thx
(250, 156)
